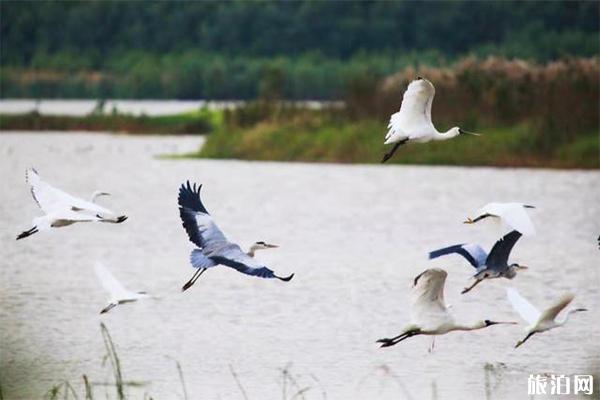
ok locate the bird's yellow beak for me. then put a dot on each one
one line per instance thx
(469, 221)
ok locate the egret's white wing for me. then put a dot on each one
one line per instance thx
(110, 283)
(511, 214)
(525, 309)
(428, 307)
(517, 218)
(550, 313)
(52, 199)
(414, 117)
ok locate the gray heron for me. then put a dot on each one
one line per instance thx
(429, 313)
(512, 215)
(413, 122)
(213, 247)
(488, 266)
(62, 209)
(540, 321)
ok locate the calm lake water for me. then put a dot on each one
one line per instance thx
(355, 236)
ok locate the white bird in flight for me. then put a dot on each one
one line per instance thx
(117, 292)
(213, 247)
(540, 321)
(413, 122)
(512, 215)
(62, 209)
(429, 313)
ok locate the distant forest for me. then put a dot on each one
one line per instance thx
(246, 49)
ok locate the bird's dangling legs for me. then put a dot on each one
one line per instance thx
(28, 233)
(117, 220)
(108, 308)
(432, 345)
(193, 280)
(465, 290)
(389, 154)
(520, 342)
(387, 342)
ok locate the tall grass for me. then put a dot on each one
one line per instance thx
(531, 115)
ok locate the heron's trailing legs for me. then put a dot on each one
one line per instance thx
(285, 279)
(465, 290)
(387, 342)
(28, 233)
(389, 155)
(193, 280)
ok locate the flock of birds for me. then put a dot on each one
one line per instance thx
(429, 312)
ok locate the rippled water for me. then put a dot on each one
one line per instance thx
(354, 235)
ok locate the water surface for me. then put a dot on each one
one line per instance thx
(354, 235)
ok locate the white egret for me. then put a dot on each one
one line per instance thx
(512, 215)
(118, 293)
(488, 266)
(428, 312)
(62, 209)
(413, 122)
(213, 247)
(540, 321)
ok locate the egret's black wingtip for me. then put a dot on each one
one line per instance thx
(287, 278)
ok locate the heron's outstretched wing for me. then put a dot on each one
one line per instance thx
(235, 258)
(551, 312)
(427, 298)
(51, 199)
(474, 254)
(198, 224)
(525, 309)
(110, 283)
(498, 257)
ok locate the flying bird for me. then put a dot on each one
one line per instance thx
(540, 321)
(213, 247)
(62, 209)
(512, 215)
(429, 313)
(488, 266)
(260, 246)
(118, 293)
(413, 122)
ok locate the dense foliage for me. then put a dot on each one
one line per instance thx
(272, 49)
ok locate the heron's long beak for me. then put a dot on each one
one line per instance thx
(469, 221)
(271, 246)
(469, 133)
(522, 267)
(503, 322)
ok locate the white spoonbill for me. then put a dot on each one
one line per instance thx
(540, 321)
(413, 122)
(213, 247)
(62, 209)
(118, 293)
(512, 215)
(429, 313)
